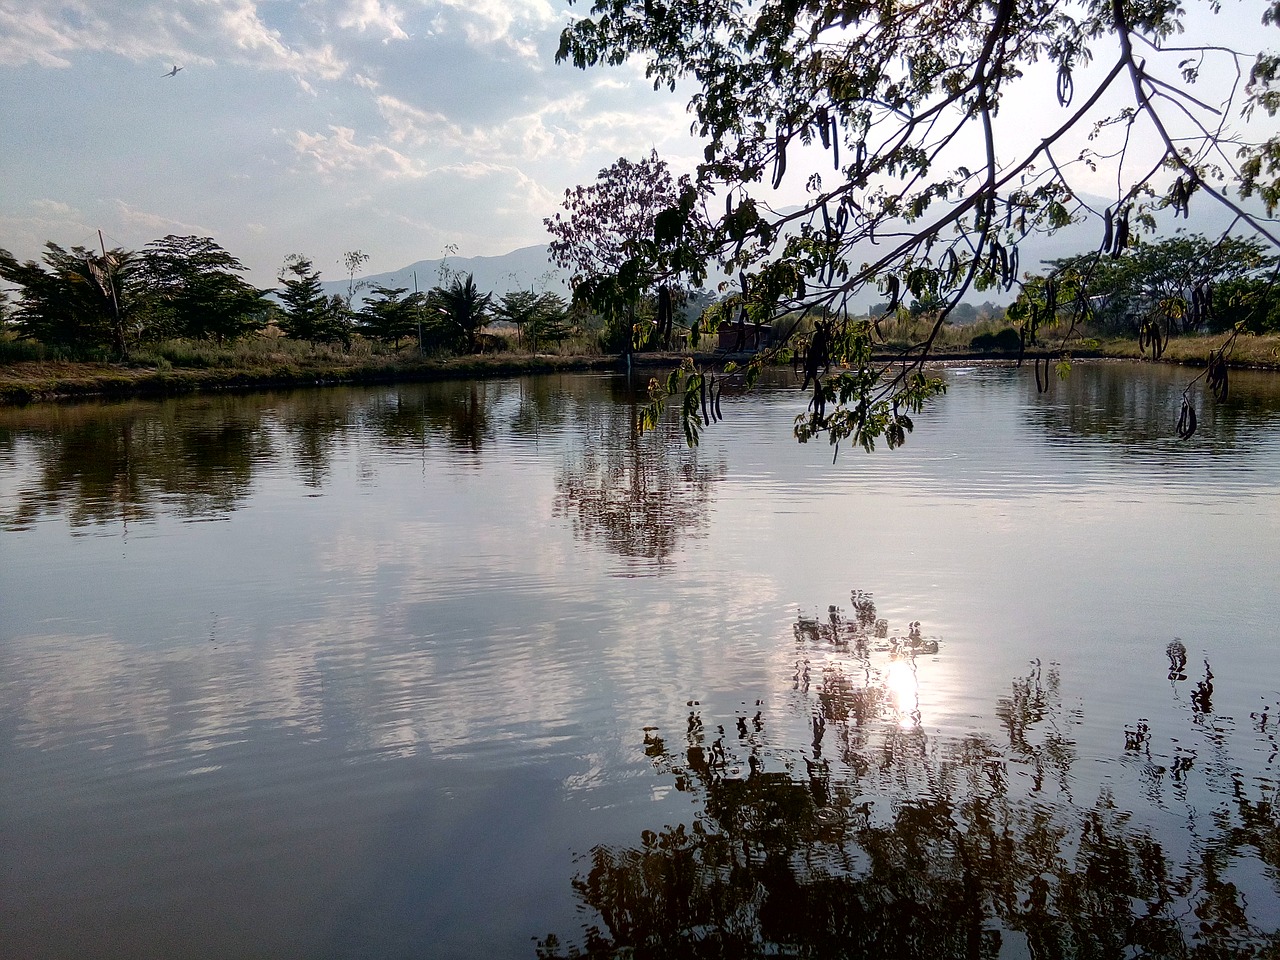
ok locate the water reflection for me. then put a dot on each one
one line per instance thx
(1120, 403)
(638, 495)
(878, 840)
(121, 462)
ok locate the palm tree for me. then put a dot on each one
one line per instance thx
(462, 307)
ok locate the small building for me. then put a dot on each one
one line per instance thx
(739, 337)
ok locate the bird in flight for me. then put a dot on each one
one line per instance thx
(173, 72)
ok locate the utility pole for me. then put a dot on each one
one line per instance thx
(417, 309)
(109, 282)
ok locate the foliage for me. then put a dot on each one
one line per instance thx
(78, 299)
(391, 315)
(1007, 339)
(1251, 304)
(632, 235)
(193, 289)
(459, 311)
(308, 313)
(923, 166)
(539, 318)
(1167, 287)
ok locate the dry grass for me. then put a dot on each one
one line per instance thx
(182, 367)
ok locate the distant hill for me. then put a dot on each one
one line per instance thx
(523, 269)
(530, 267)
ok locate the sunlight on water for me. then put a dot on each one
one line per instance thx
(382, 671)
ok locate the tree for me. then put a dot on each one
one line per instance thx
(631, 235)
(922, 170)
(79, 299)
(1160, 288)
(463, 309)
(194, 290)
(353, 260)
(390, 315)
(309, 314)
(536, 316)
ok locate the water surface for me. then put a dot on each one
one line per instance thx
(437, 670)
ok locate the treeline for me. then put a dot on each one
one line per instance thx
(82, 301)
(1182, 284)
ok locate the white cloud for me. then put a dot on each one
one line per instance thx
(340, 153)
(50, 32)
(131, 216)
(56, 208)
(372, 15)
(485, 23)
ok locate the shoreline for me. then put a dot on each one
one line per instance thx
(35, 381)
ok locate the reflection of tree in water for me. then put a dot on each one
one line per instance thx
(1119, 403)
(98, 464)
(459, 413)
(910, 846)
(639, 495)
(312, 420)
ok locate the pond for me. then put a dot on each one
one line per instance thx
(458, 670)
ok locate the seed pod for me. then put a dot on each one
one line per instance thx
(1066, 86)
(824, 128)
(1216, 375)
(1122, 234)
(891, 288)
(953, 267)
(1186, 420)
(1107, 232)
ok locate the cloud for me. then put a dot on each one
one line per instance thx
(339, 152)
(49, 33)
(56, 208)
(131, 216)
(373, 16)
(485, 23)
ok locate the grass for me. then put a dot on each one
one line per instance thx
(29, 371)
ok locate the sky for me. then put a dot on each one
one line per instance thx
(405, 129)
(400, 128)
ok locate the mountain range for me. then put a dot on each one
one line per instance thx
(530, 268)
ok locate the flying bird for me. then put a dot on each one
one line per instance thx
(173, 72)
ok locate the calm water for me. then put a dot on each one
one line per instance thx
(471, 670)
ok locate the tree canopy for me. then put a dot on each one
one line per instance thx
(924, 144)
(633, 234)
(196, 291)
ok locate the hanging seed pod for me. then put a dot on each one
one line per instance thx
(1122, 234)
(779, 159)
(953, 268)
(1186, 420)
(824, 128)
(1216, 375)
(891, 289)
(1066, 86)
(1108, 231)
